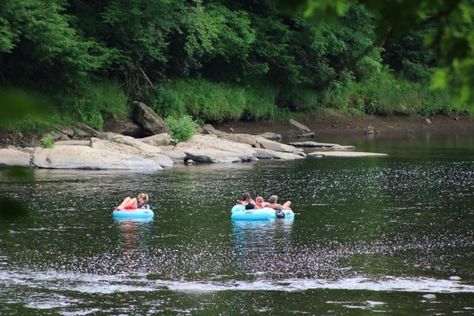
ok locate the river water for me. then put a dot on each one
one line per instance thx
(371, 235)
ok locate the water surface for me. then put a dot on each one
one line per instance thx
(371, 235)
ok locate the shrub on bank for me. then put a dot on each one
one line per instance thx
(47, 141)
(181, 127)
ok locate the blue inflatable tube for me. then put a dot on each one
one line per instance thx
(239, 212)
(141, 213)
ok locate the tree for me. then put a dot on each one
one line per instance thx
(452, 39)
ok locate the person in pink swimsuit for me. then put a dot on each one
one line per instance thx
(140, 202)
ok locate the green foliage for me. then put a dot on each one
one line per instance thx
(22, 110)
(87, 102)
(39, 38)
(452, 39)
(47, 141)
(385, 94)
(216, 101)
(221, 60)
(214, 30)
(182, 127)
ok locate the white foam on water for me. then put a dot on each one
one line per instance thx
(421, 285)
(106, 284)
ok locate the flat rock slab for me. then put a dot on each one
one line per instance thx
(345, 154)
(15, 157)
(271, 154)
(210, 155)
(272, 136)
(144, 151)
(85, 157)
(73, 142)
(162, 139)
(322, 146)
(300, 126)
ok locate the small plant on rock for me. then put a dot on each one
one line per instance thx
(47, 141)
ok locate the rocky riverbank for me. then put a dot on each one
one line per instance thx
(81, 147)
(114, 151)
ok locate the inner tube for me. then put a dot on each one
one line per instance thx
(239, 212)
(134, 213)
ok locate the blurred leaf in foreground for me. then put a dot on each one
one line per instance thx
(19, 173)
(16, 105)
(11, 210)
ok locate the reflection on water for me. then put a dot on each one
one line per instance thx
(390, 235)
(133, 229)
(257, 243)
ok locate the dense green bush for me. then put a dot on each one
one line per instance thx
(182, 127)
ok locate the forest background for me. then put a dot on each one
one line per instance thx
(231, 60)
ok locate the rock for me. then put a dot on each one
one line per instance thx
(261, 153)
(271, 154)
(275, 146)
(121, 126)
(189, 162)
(455, 278)
(210, 155)
(209, 129)
(429, 296)
(345, 154)
(162, 139)
(215, 149)
(312, 144)
(271, 136)
(370, 130)
(148, 119)
(58, 136)
(129, 141)
(322, 146)
(82, 130)
(252, 140)
(130, 146)
(300, 126)
(427, 120)
(176, 155)
(402, 111)
(260, 142)
(200, 130)
(73, 142)
(231, 129)
(85, 157)
(12, 156)
(65, 130)
(242, 138)
(307, 135)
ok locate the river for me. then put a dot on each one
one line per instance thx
(387, 235)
